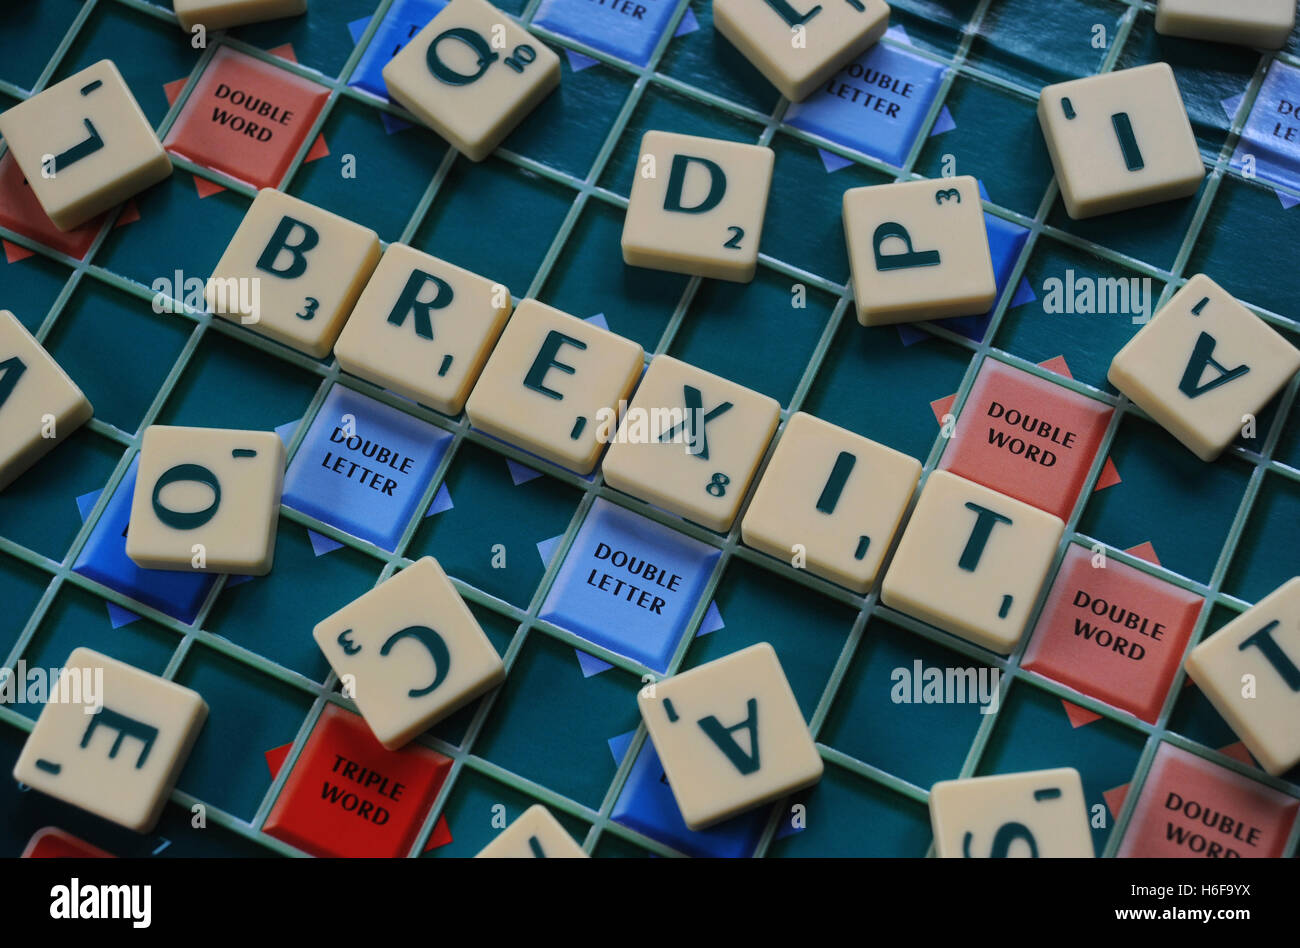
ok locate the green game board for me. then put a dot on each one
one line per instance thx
(543, 215)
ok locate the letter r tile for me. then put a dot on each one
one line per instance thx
(121, 761)
(730, 735)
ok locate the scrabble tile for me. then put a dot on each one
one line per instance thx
(84, 145)
(21, 212)
(630, 584)
(121, 761)
(1264, 644)
(1192, 808)
(553, 385)
(104, 560)
(364, 466)
(1040, 814)
(472, 75)
(730, 735)
(39, 404)
(50, 842)
(1027, 437)
(414, 651)
(836, 495)
(697, 206)
(292, 272)
(918, 250)
(223, 14)
(691, 442)
(536, 834)
(349, 797)
(1202, 364)
(972, 562)
(1265, 24)
(798, 46)
(246, 118)
(423, 328)
(1115, 633)
(1120, 140)
(206, 499)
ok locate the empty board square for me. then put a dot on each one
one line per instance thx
(349, 797)
(628, 29)
(1027, 437)
(322, 40)
(972, 562)
(1248, 670)
(666, 454)
(1204, 367)
(400, 24)
(364, 466)
(1265, 557)
(1014, 36)
(84, 145)
(875, 105)
(884, 716)
(1113, 632)
(630, 584)
(39, 404)
(410, 652)
(246, 118)
(104, 559)
(919, 250)
(699, 56)
(83, 756)
(1040, 814)
(28, 37)
(830, 501)
(718, 769)
(1191, 807)
(452, 78)
(1120, 140)
(536, 834)
(646, 804)
(478, 810)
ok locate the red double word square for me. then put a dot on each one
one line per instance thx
(1113, 632)
(246, 118)
(1191, 807)
(54, 843)
(21, 212)
(1026, 437)
(349, 796)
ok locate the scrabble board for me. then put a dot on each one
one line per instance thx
(1016, 399)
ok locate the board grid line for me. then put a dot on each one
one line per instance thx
(527, 619)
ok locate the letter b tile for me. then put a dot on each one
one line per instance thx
(730, 735)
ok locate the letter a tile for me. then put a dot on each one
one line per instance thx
(1202, 365)
(117, 744)
(730, 735)
(413, 650)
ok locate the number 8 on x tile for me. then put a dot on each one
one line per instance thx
(206, 499)
(730, 735)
